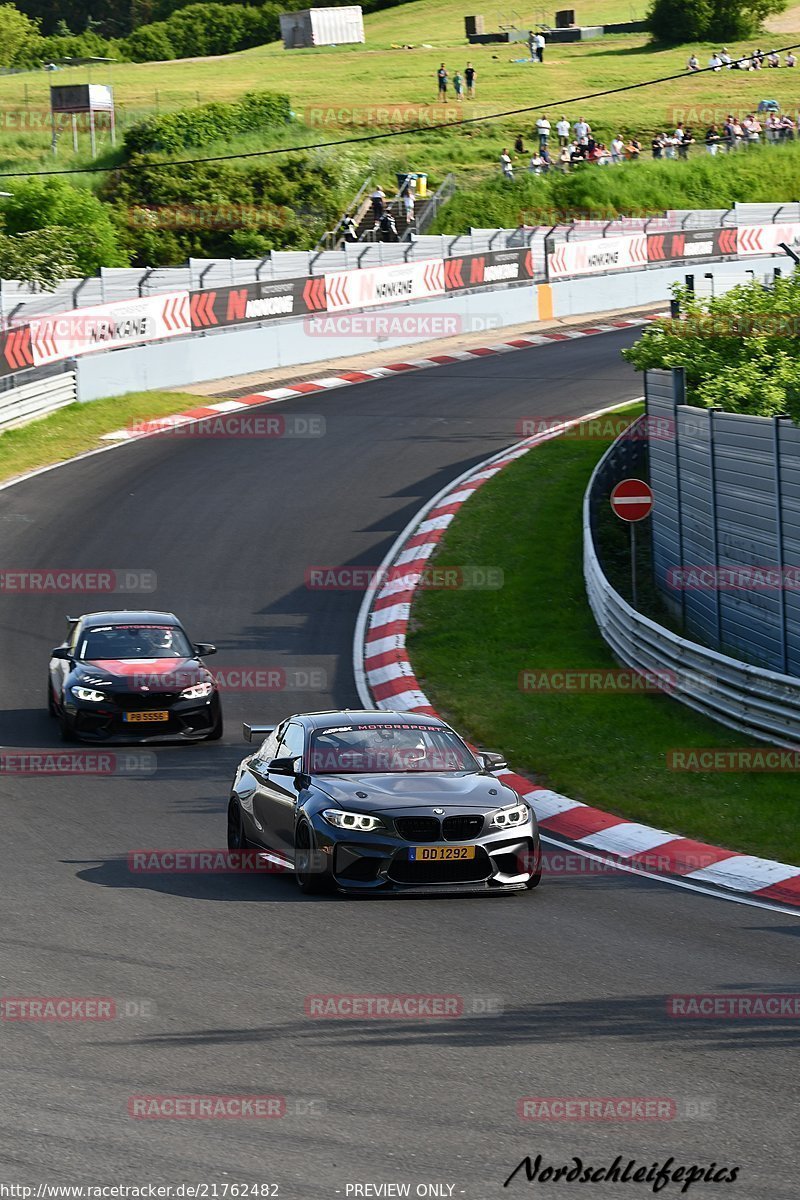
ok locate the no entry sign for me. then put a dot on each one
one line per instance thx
(632, 500)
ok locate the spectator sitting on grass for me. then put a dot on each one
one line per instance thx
(725, 57)
(715, 62)
(519, 145)
(773, 59)
(693, 64)
(791, 61)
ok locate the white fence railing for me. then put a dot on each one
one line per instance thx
(35, 399)
(753, 700)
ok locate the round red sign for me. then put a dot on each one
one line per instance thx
(632, 500)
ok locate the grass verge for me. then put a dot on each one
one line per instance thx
(79, 427)
(608, 750)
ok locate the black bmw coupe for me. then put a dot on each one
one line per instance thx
(132, 677)
(381, 802)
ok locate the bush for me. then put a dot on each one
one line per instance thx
(241, 211)
(173, 132)
(78, 45)
(204, 29)
(17, 35)
(740, 352)
(678, 21)
(39, 204)
(43, 257)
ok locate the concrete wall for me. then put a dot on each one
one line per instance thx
(243, 349)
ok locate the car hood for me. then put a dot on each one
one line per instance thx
(136, 674)
(384, 793)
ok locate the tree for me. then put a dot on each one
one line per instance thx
(17, 34)
(42, 257)
(39, 204)
(678, 21)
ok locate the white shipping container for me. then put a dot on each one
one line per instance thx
(322, 27)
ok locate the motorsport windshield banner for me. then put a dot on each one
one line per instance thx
(691, 243)
(480, 270)
(266, 300)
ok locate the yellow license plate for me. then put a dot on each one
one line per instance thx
(156, 715)
(441, 853)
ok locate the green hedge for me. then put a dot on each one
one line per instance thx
(191, 127)
(204, 29)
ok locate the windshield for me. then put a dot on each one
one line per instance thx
(374, 749)
(105, 642)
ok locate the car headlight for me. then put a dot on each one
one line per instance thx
(517, 815)
(351, 820)
(197, 691)
(83, 693)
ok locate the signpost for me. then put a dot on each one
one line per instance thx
(632, 501)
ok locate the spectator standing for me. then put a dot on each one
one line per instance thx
(751, 127)
(348, 228)
(562, 129)
(669, 143)
(712, 139)
(506, 165)
(441, 79)
(388, 228)
(532, 45)
(536, 165)
(772, 128)
(581, 129)
(469, 77)
(787, 128)
(539, 45)
(657, 146)
(458, 84)
(686, 141)
(633, 149)
(617, 149)
(543, 129)
(729, 133)
(565, 157)
(378, 198)
(407, 195)
(693, 64)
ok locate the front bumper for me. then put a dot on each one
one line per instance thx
(188, 720)
(505, 860)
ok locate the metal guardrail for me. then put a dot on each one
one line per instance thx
(37, 398)
(752, 700)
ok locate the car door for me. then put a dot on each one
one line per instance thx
(275, 802)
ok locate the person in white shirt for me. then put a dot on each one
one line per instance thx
(715, 62)
(506, 165)
(725, 58)
(791, 61)
(536, 164)
(562, 129)
(617, 149)
(539, 44)
(543, 129)
(582, 129)
(752, 129)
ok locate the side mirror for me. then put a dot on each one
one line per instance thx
(492, 761)
(61, 652)
(204, 649)
(284, 766)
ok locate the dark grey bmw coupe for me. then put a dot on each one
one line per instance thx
(362, 801)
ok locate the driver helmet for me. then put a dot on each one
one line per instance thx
(159, 639)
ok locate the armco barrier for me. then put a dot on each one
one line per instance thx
(36, 398)
(761, 703)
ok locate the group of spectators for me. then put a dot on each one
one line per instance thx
(746, 62)
(566, 146)
(460, 82)
(570, 145)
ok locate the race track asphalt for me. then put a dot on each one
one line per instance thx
(214, 969)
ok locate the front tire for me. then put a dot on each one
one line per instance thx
(216, 728)
(52, 711)
(310, 882)
(237, 838)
